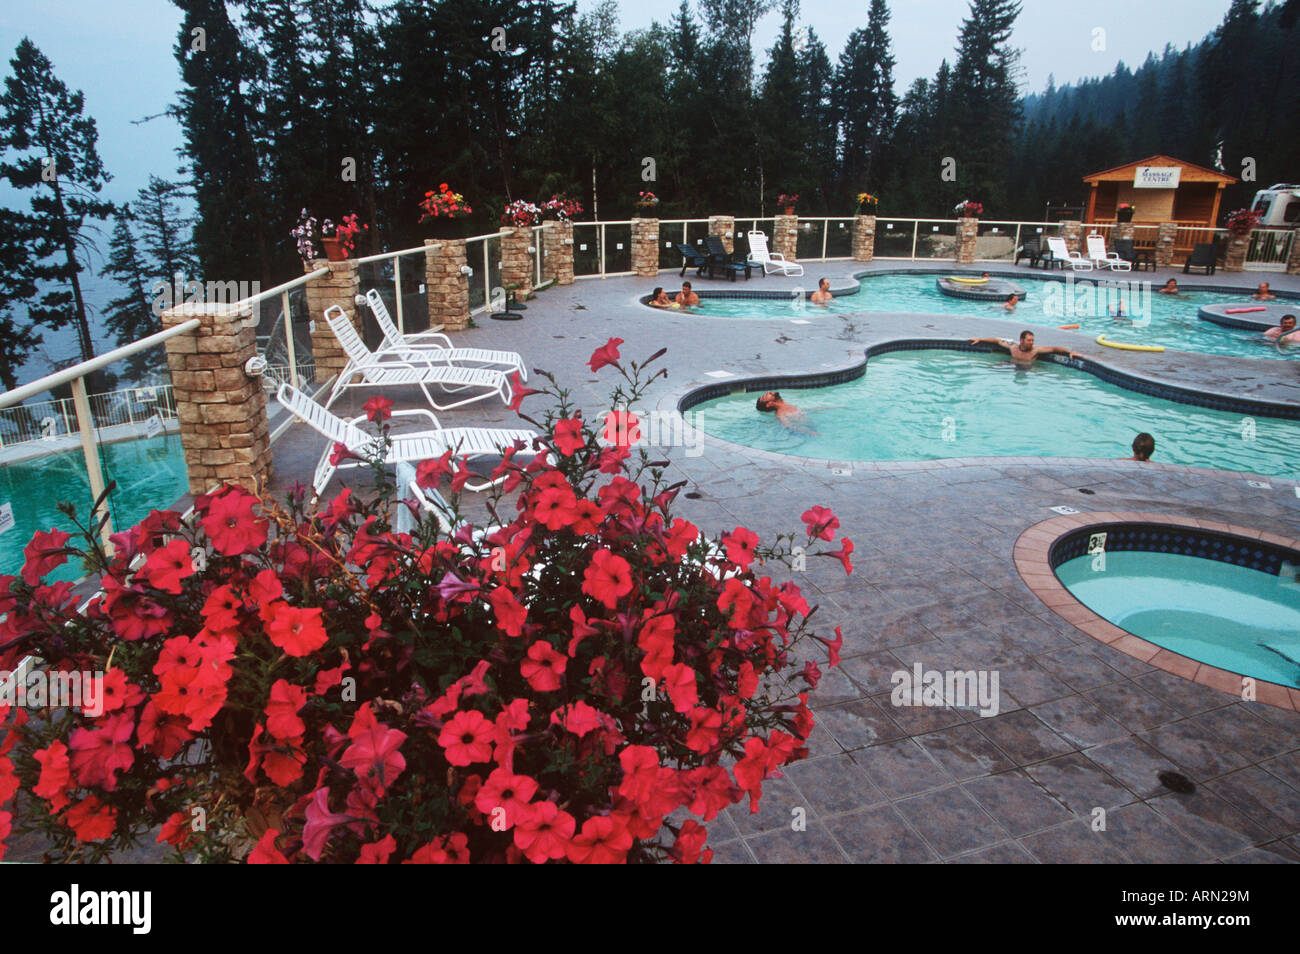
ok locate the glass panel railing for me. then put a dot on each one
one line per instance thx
(935, 239)
(996, 242)
(894, 239)
(808, 245)
(618, 248)
(839, 238)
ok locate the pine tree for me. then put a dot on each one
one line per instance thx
(817, 108)
(865, 101)
(166, 239)
(19, 337)
(131, 316)
(50, 147)
(782, 127)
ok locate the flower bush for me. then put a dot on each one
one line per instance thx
(867, 202)
(968, 209)
(444, 204)
(787, 201)
(646, 201)
(304, 234)
(588, 681)
(560, 208)
(1243, 221)
(520, 212)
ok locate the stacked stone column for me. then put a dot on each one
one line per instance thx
(786, 239)
(1293, 264)
(557, 239)
(724, 227)
(222, 411)
(339, 287)
(1166, 236)
(968, 230)
(645, 247)
(516, 263)
(1072, 232)
(447, 286)
(1234, 260)
(1123, 231)
(864, 238)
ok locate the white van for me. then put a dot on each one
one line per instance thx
(1279, 205)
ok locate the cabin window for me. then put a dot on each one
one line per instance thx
(1292, 213)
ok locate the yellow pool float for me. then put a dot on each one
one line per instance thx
(1101, 340)
(968, 281)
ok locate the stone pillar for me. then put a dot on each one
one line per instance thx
(516, 263)
(446, 285)
(339, 287)
(558, 263)
(645, 247)
(1123, 231)
(1166, 235)
(1072, 232)
(1293, 264)
(222, 411)
(968, 230)
(1234, 260)
(724, 226)
(786, 239)
(864, 238)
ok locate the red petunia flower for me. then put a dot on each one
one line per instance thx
(519, 391)
(543, 832)
(689, 848)
(543, 667)
(443, 850)
(607, 578)
(231, 524)
(43, 554)
(91, 820)
(222, 608)
(604, 840)
(509, 791)
(378, 409)
(296, 630)
(834, 646)
(622, 429)
(167, 566)
(266, 853)
(510, 613)
(680, 682)
(605, 354)
(577, 717)
(99, 754)
(568, 436)
(282, 709)
(740, 546)
(429, 473)
(843, 554)
(821, 522)
(378, 852)
(56, 776)
(467, 738)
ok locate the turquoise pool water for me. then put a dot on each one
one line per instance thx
(926, 405)
(150, 475)
(1241, 620)
(1173, 322)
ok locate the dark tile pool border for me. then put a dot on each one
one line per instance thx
(1033, 558)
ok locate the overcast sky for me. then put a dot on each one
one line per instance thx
(119, 52)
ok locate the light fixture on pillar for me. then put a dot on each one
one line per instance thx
(254, 366)
(466, 270)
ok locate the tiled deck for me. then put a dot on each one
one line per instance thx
(1082, 725)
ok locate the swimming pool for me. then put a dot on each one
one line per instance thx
(1174, 322)
(936, 403)
(1240, 619)
(150, 475)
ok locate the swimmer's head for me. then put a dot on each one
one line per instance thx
(1026, 340)
(1288, 323)
(767, 401)
(1144, 445)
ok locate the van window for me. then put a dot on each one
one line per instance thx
(1262, 206)
(1292, 213)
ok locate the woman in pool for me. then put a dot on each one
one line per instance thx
(1169, 288)
(658, 299)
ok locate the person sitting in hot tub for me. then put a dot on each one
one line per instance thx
(1262, 293)
(1285, 331)
(823, 293)
(687, 297)
(659, 299)
(772, 402)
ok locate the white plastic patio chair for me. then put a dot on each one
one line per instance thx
(1104, 259)
(370, 369)
(1061, 252)
(465, 443)
(437, 346)
(773, 263)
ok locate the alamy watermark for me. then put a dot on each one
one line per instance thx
(946, 689)
(623, 427)
(41, 688)
(1086, 299)
(177, 292)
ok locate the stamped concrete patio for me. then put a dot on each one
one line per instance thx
(1081, 726)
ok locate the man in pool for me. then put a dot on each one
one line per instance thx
(687, 297)
(1285, 331)
(1168, 288)
(823, 293)
(1144, 445)
(1024, 352)
(771, 402)
(1262, 293)
(1011, 303)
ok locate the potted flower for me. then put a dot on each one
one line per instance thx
(521, 214)
(1124, 212)
(588, 683)
(1243, 221)
(787, 202)
(867, 203)
(966, 209)
(338, 240)
(647, 203)
(560, 208)
(445, 211)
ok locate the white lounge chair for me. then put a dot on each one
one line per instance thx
(465, 443)
(436, 346)
(371, 369)
(1061, 252)
(1104, 259)
(773, 263)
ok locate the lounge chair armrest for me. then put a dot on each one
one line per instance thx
(423, 335)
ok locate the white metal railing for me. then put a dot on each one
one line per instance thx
(48, 420)
(1269, 250)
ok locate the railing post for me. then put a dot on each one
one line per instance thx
(826, 231)
(916, 233)
(864, 238)
(86, 428)
(601, 239)
(1166, 236)
(1235, 257)
(289, 347)
(516, 268)
(559, 251)
(1293, 262)
(340, 288)
(446, 284)
(397, 293)
(724, 227)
